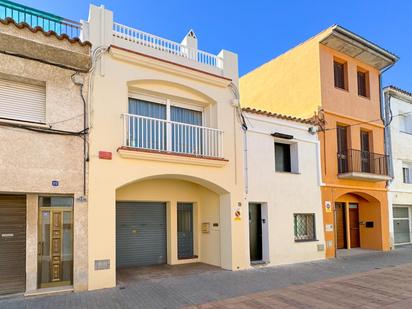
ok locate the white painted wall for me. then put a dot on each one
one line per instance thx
(400, 194)
(283, 194)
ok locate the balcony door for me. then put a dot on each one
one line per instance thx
(342, 140)
(187, 131)
(165, 127)
(149, 130)
(365, 152)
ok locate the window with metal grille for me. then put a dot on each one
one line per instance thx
(304, 227)
(339, 74)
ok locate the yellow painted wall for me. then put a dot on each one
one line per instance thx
(289, 84)
(119, 73)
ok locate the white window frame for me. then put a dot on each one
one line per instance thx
(294, 155)
(169, 103)
(408, 166)
(405, 122)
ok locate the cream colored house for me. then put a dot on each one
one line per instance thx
(43, 210)
(399, 147)
(166, 162)
(283, 179)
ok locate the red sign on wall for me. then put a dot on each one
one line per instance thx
(105, 155)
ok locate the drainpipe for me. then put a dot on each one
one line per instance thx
(385, 116)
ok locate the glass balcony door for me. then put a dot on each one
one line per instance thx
(55, 252)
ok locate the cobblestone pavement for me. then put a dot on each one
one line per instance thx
(370, 280)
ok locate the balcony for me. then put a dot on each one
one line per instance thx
(363, 165)
(36, 18)
(153, 135)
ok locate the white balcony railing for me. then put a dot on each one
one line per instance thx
(149, 40)
(170, 136)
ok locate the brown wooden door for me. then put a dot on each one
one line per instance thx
(340, 226)
(12, 244)
(354, 225)
(342, 144)
(365, 152)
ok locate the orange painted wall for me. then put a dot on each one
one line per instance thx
(348, 102)
(346, 107)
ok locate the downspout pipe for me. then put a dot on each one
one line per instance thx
(386, 119)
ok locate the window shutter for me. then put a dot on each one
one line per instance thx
(22, 101)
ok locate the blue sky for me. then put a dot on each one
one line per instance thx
(260, 30)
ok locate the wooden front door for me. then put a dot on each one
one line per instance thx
(354, 225)
(55, 254)
(340, 226)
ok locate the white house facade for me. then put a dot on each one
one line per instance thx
(282, 181)
(399, 143)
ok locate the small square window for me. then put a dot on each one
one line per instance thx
(363, 83)
(340, 75)
(407, 174)
(405, 122)
(282, 158)
(304, 227)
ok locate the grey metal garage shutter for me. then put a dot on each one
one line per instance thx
(140, 234)
(12, 244)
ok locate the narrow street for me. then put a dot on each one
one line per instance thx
(369, 280)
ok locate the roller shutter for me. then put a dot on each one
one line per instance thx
(140, 234)
(22, 101)
(12, 244)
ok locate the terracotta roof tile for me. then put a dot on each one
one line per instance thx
(279, 116)
(23, 25)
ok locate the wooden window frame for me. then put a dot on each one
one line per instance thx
(365, 73)
(344, 65)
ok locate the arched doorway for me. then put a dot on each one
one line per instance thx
(168, 219)
(358, 222)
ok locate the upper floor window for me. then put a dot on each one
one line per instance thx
(363, 83)
(22, 101)
(340, 74)
(166, 125)
(282, 158)
(405, 123)
(407, 173)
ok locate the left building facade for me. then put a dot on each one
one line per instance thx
(43, 169)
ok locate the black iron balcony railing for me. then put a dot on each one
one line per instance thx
(357, 161)
(36, 18)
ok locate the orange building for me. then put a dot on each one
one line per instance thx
(336, 75)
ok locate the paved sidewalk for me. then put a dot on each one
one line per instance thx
(211, 286)
(387, 288)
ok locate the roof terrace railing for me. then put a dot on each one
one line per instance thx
(149, 40)
(36, 18)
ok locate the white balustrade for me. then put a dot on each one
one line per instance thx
(168, 46)
(170, 136)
